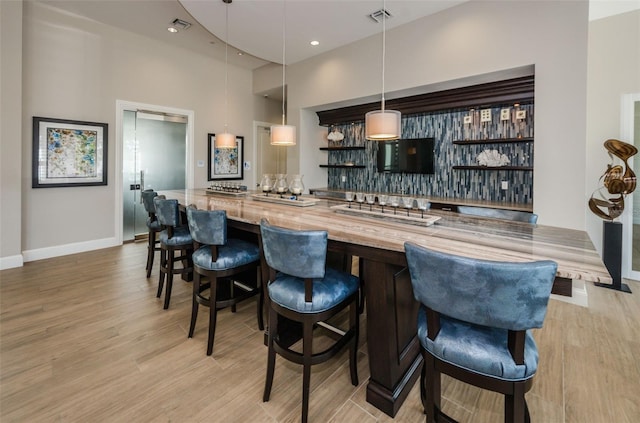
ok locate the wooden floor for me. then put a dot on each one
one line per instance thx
(84, 339)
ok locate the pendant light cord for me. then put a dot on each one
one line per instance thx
(284, 43)
(226, 65)
(384, 31)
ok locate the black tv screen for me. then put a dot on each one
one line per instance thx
(406, 156)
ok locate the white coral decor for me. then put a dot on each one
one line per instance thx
(492, 158)
(335, 136)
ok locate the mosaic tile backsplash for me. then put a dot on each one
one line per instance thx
(445, 127)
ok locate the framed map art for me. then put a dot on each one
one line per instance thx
(68, 153)
(225, 163)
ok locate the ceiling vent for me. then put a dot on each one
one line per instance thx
(180, 24)
(378, 14)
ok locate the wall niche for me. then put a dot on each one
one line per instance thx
(458, 143)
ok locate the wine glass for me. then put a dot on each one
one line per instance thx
(407, 203)
(370, 199)
(360, 198)
(382, 200)
(349, 197)
(394, 202)
(423, 205)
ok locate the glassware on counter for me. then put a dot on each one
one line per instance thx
(281, 186)
(267, 183)
(382, 200)
(349, 197)
(394, 202)
(407, 203)
(423, 205)
(360, 198)
(370, 199)
(296, 187)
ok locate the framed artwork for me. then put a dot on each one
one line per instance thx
(68, 153)
(225, 163)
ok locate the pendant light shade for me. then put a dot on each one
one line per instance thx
(226, 140)
(283, 134)
(382, 125)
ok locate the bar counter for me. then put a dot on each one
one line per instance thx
(393, 347)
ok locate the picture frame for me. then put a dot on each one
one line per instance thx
(68, 153)
(225, 163)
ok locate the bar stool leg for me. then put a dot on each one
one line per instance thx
(167, 292)
(194, 303)
(213, 313)
(271, 357)
(151, 252)
(307, 348)
(163, 271)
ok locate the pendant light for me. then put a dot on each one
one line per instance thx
(283, 134)
(226, 140)
(382, 125)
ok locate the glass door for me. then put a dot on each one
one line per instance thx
(154, 157)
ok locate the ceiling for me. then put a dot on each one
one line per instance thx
(255, 26)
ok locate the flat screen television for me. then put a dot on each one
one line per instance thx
(406, 156)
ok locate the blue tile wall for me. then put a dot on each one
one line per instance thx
(445, 127)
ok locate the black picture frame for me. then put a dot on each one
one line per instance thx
(69, 153)
(225, 163)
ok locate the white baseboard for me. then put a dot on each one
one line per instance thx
(63, 250)
(578, 294)
(11, 261)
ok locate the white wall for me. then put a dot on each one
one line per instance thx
(10, 133)
(475, 38)
(76, 69)
(613, 70)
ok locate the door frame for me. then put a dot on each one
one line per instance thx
(627, 131)
(121, 107)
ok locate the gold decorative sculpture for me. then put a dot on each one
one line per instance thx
(618, 181)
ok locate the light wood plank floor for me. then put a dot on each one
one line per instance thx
(84, 339)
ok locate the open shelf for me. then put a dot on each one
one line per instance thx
(342, 148)
(494, 167)
(494, 141)
(332, 166)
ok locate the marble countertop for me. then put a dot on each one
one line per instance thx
(470, 236)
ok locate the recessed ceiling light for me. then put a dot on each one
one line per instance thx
(172, 29)
(240, 53)
(315, 43)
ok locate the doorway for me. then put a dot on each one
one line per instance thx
(271, 159)
(153, 158)
(154, 150)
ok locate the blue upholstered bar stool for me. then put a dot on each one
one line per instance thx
(221, 260)
(475, 324)
(301, 288)
(174, 238)
(515, 215)
(153, 226)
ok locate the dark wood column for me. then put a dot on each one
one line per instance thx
(394, 350)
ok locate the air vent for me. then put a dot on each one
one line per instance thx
(378, 14)
(180, 24)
